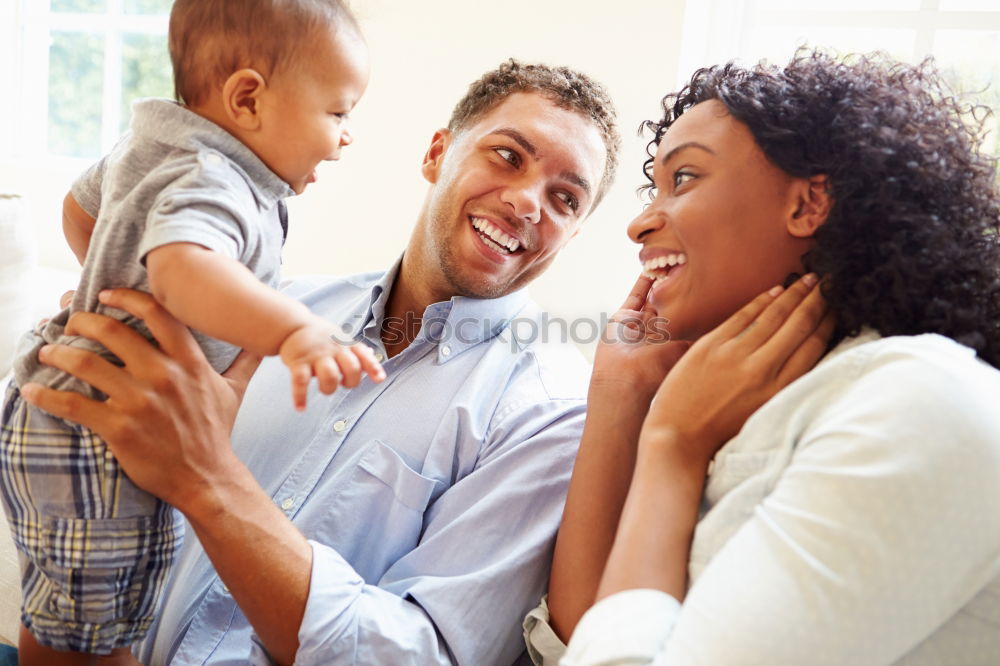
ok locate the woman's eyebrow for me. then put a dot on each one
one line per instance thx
(687, 144)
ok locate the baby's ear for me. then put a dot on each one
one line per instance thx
(241, 97)
(813, 202)
(434, 157)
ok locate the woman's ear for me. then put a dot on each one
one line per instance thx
(241, 98)
(434, 157)
(813, 204)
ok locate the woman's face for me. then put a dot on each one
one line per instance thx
(725, 225)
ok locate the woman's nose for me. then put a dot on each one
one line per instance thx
(645, 223)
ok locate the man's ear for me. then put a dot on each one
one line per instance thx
(813, 202)
(434, 157)
(241, 97)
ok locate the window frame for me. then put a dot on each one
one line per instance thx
(713, 27)
(27, 26)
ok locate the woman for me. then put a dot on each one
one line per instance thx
(728, 515)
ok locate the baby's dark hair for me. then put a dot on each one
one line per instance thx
(912, 243)
(567, 88)
(211, 39)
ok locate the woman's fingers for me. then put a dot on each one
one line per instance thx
(794, 327)
(637, 296)
(774, 316)
(173, 337)
(744, 320)
(809, 352)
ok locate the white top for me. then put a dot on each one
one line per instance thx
(854, 520)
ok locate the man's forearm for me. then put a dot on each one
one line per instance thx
(260, 556)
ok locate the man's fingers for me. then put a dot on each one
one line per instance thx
(90, 368)
(174, 337)
(119, 338)
(241, 370)
(68, 405)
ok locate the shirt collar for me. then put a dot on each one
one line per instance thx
(453, 325)
(170, 123)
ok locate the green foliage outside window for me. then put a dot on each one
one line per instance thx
(76, 81)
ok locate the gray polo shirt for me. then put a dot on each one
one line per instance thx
(174, 177)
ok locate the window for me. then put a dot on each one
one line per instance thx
(82, 62)
(962, 35)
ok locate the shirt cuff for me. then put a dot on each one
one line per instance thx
(629, 627)
(544, 646)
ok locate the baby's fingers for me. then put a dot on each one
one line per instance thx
(371, 367)
(301, 374)
(327, 374)
(349, 366)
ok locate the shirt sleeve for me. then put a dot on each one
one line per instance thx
(882, 528)
(86, 189)
(208, 207)
(482, 561)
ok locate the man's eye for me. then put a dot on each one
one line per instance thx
(508, 155)
(569, 200)
(681, 177)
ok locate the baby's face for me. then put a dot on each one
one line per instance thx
(305, 113)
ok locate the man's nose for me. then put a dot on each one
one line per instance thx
(524, 199)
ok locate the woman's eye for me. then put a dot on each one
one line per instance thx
(681, 177)
(568, 200)
(508, 155)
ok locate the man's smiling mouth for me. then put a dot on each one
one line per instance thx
(493, 237)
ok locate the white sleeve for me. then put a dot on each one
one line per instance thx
(883, 526)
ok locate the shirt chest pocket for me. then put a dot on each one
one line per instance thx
(378, 513)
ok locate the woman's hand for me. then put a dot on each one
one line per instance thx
(733, 370)
(635, 352)
(168, 415)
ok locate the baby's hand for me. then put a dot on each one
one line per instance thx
(311, 351)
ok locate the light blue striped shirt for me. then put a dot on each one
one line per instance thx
(431, 500)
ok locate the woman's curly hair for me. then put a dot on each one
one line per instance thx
(911, 244)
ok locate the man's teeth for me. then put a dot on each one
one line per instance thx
(653, 268)
(490, 232)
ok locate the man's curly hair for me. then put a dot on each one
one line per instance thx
(911, 244)
(567, 88)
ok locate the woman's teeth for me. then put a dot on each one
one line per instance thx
(654, 268)
(494, 237)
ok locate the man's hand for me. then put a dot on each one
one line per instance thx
(168, 415)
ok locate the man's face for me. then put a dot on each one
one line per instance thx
(507, 193)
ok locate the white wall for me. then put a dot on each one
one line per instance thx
(424, 55)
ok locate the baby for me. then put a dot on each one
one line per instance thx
(188, 206)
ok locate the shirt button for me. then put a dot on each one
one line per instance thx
(287, 503)
(445, 350)
(379, 356)
(340, 425)
(225, 589)
(212, 158)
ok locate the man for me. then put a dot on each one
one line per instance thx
(404, 522)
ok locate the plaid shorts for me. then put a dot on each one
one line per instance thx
(94, 549)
